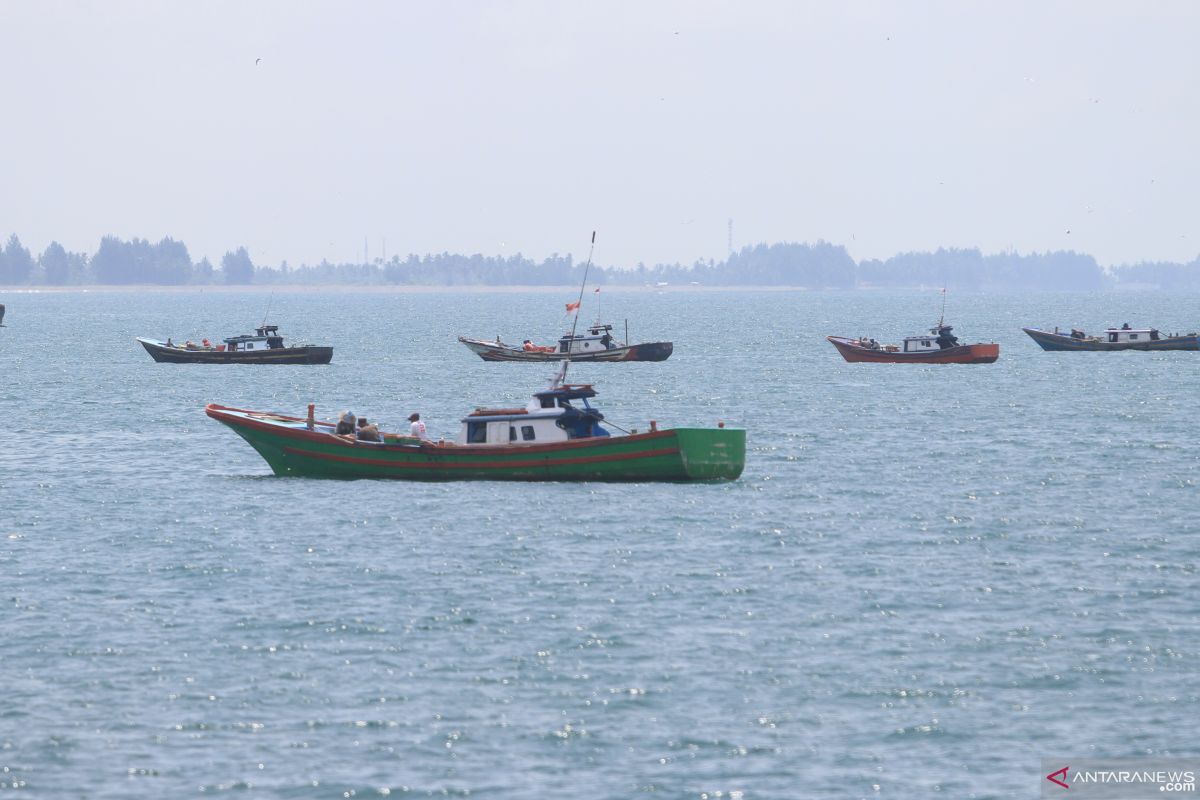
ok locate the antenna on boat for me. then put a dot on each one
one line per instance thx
(269, 299)
(561, 375)
(942, 318)
(579, 302)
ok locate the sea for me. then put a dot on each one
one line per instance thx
(928, 579)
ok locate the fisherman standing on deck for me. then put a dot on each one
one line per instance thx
(417, 429)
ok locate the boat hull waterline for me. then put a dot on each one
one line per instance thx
(491, 351)
(983, 353)
(679, 454)
(168, 354)
(1058, 342)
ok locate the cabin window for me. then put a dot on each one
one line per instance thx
(527, 433)
(562, 347)
(547, 402)
(512, 433)
(1112, 337)
(477, 432)
(1132, 336)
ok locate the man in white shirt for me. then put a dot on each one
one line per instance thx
(417, 429)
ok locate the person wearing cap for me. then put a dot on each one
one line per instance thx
(345, 425)
(417, 429)
(367, 431)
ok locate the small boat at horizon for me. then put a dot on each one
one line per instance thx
(597, 344)
(939, 346)
(1122, 338)
(264, 347)
(550, 439)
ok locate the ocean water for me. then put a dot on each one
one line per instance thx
(927, 579)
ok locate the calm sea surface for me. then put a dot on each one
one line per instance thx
(928, 578)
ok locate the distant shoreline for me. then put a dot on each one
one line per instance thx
(351, 288)
(348, 288)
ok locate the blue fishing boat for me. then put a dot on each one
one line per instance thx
(1122, 338)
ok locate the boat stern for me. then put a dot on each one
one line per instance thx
(712, 454)
(983, 353)
(650, 351)
(317, 354)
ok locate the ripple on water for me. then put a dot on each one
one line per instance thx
(926, 580)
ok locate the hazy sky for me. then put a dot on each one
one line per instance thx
(507, 127)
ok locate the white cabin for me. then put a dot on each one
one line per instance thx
(597, 339)
(549, 417)
(1126, 334)
(920, 344)
(938, 338)
(266, 338)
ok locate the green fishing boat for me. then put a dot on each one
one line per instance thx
(550, 439)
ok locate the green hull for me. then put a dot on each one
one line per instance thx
(680, 454)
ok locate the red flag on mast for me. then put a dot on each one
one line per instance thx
(572, 307)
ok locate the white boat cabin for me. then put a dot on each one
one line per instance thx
(597, 339)
(266, 338)
(920, 344)
(1128, 334)
(549, 417)
(939, 338)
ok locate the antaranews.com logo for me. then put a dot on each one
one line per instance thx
(1119, 778)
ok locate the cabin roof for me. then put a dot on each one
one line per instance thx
(568, 391)
(497, 412)
(592, 332)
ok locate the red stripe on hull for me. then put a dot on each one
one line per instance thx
(217, 412)
(549, 462)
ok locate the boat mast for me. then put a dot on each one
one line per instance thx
(942, 318)
(561, 375)
(579, 302)
(269, 299)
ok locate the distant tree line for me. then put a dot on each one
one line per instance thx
(117, 262)
(972, 270)
(814, 266)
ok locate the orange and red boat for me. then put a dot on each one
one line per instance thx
(939, 346)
